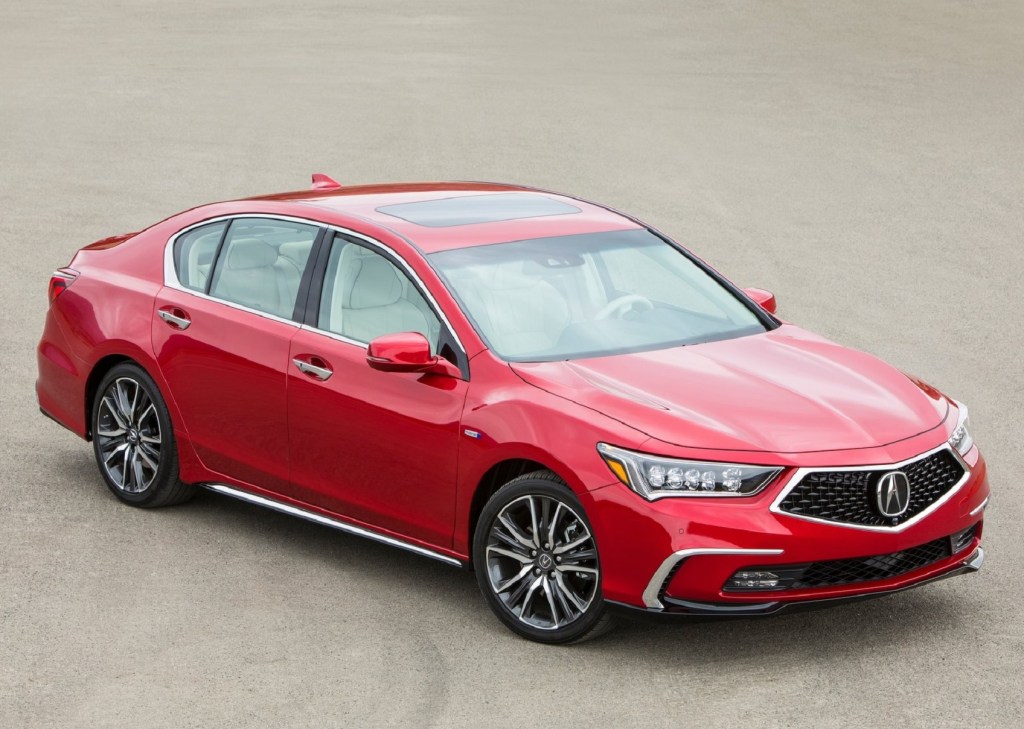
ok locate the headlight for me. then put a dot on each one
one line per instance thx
(655, 478)
(962, 440)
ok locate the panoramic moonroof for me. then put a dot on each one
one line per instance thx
(469, 209)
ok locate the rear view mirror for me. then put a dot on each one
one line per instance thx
(764, 299)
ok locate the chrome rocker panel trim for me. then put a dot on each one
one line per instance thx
(775, 508)
(327, 521)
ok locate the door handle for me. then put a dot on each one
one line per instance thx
(175, 318)
(320, 373)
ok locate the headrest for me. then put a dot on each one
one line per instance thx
(506, 276)
(375, 284)
(251, 253)
(297, 252)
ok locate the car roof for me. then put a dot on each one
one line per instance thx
(436, 216)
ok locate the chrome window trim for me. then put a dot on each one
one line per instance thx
(652, 597)
(171, 276)
(333, 335)
(328, 521)
(417, 281)
(800, 473)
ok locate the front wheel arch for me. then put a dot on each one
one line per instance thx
(495, 478)
(535, 546)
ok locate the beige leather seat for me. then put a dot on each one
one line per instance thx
(254, 275)
(369, 298)
(524, 314)
(291, 262)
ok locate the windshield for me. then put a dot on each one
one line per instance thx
(590, 295)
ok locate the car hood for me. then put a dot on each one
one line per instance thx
(784, 391)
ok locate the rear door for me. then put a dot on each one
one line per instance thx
(221, 331)
(378, 447)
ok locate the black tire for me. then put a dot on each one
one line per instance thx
(539, 585)
(133, 440)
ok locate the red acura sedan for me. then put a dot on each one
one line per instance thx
(534, 386)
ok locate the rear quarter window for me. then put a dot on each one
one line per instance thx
(194, 253)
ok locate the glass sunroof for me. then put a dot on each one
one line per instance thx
(470, 209)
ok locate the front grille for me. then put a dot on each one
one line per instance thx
(848, 571)
(836, 572)
(848, 496)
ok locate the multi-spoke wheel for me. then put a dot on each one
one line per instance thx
(537, 561)
(133, 439)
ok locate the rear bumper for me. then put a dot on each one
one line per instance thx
(682, 609)
(60, 387)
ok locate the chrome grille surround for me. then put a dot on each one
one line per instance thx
(856, 484)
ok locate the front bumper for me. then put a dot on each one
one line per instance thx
(682, 609)
(674, 556)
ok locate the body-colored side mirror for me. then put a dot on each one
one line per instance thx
(406, 352)
(764, 299)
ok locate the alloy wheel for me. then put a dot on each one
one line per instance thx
(128, 435)
(542, 562)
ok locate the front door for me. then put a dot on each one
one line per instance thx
(377, 447)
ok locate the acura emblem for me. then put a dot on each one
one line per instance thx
(892, 494)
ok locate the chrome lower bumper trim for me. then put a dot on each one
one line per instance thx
(683, 609)
(327, 521)
(980, 507)
(652, 595)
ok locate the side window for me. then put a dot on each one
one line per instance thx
(365, 295)
(194, 253)
(261, 262)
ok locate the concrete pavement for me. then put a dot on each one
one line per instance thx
(862, 160)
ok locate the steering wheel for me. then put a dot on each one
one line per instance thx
(624, 303)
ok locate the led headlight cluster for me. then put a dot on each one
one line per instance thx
(962, 440)
(653, 477)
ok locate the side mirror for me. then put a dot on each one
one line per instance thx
(764, 299)
(406, 352)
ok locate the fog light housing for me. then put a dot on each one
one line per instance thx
(753, 580)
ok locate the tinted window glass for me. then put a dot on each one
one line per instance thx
(470, 209)
(261, 264)
(365, 295)
(194, 253)
(590, 295)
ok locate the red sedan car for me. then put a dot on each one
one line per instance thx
(526, 383)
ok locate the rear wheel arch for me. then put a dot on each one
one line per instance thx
(133, 434)
(92, 383)
(124, 354)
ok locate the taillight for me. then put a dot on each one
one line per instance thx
(60, 280)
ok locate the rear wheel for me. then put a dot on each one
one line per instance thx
(133, 440)
(537, 563)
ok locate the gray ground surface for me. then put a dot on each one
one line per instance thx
(864, 161)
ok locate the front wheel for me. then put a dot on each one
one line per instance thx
(133, 440)
(537, 562)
